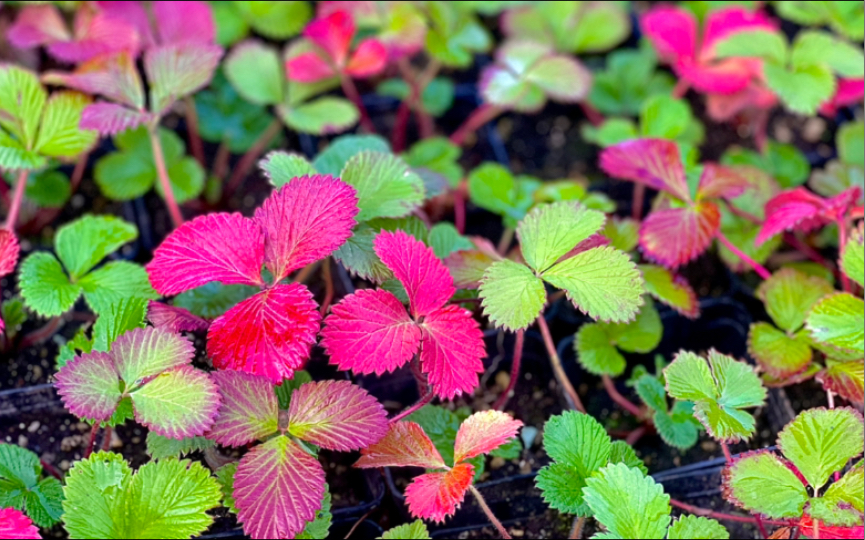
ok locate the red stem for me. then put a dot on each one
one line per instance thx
(492, 517)
(515, 372)
(759, 268)
(251, 156)
(106, 439)
(476, 119)
(164, 181)
(637, 201)
(807, 250)
(559, 371)
(78, 172)
(635, 435)
(92, 442)
(403, 113)
(426, 398)
(842, 241)
(681, 88)
(760, 136)
(460, 207)
(727, 455)
(50, 469)
(41, 334)
(195, 144)
(621, 400)
(328, 286)
(592, 114)
(351, 92)
(17, 198)
(705, 512)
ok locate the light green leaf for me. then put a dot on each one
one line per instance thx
(117, 319)
(642, 334)
(512, 296)
(334, 158)
(852, 256)
(670, 289)
(777, 353)
(816, 48)
(282, 167)
(22, 101)
(321, 116)
(821, 441)
(275, 20)
(549, 231)
(14, 156)
(595, 353)
(160, 447)
(696, 527)
(171, 403)
(454, 36)
(664, 117)
(621, 452)
(599, 27)
(678, 428)
(602, 282)
(45, 287)
(385, 185)
(114, 282)
(225, 477)
(837, 321)
(416, 530)
(578, 441)
(213, 299)
(438, 155)
(59, 135)
(760, 482)
(802, 90)
(786, 164)
(186, 177)
(176, 70)
(492, 187)
(612, 131)
(229, 27)
(847, 489)
(652, 392)
(623, 233)
(688, 377)
(628, 503)
(789, 295)
(256, 72)
(86, 241)
(850, 141)
(770, 46)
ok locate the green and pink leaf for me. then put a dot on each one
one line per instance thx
(483, 432)
(249, 409)
(404, 445)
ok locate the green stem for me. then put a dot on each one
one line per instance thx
(164, 180)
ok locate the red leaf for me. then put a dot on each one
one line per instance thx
(426, 279)
(9, 250)
(799, 209)
(720, 182)
(404, 445)
(452, 351)
(368, 59)
(483, 432)
(336, 415)
(270, 334)
(184, 22)
(228, 248)
(675, 236)
(653, 162)
(111, 118)
(845, 379)
(831, 532)
(114, 77)
(248, 411)
(436, 496)
(673, 32)
(174, 319)
(308, 67)
(14, 525)
(278, 488)
(333, 34)
(849, 92)
(304, 221)
(37, 25)
(370, 332)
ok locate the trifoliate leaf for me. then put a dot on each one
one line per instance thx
(225, 117)
(693, 527)
(493, 187)
(335, 157)
(678, 427)
(322, 116)
(512, 296)
(813, 48)
(789, 295)
(852, 263)
(115, 282)
(45, 287)
(86, 241)
(416, 529)
(802, 89)
(595, 352)
(436, 154)
(445, 239)
(623, 233)
(385, 185)
(282, 167)
(161, 447)
(836, 320)
(628, 503)
(652, 392)
(761, 482)
(670, 289)
(59, 134)
(777, 353)
(21, 487)
(821, 441)
(550, 231)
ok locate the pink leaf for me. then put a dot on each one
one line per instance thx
(336, 415)
(653, 162)
(37, 25)
(426, 279)
(134, 14)
(723, 23)
(725, 76)
(177, 404)
(110, 118)
(174, 319)
(675, 236)
(368, 59)
(228, 248)
(332, 33)
(849, 92)
(249, 409)
(804, 211)
(96, 34)
(304, 221)
(723, 107)
(89, 386)
(184, 22)
(14, 525)
(452, 351)
(673, 32)
(270, 334)
(436, 496)
(370, 332)
(720, 182)
(9, 250)
(278, 488)
(404, 445)
(483, 432)
(144, 352)
(114, 77)
(308, 67)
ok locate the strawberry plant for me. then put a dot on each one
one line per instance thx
(23, 488)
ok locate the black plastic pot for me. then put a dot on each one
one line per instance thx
(339, 528)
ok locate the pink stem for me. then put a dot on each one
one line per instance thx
(351, 92)
(91, 444)
(728, 457)
(637, 201)
(430, 393)
(476, 119)
(759, 268)
(558, 370)
(842, 241)
(681, 88)
(17, 198)
(460, 207)
(164, 181)
(328, 285)
(592, 114)
(492, 517)
(515, 372)
(705, 512)
(621, 400)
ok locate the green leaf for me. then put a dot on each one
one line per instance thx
(624, 233)
(664, 117)
(441, 426)
(670, 289)
(836, 320)
(454, 36)
(652, 392)
(186, 178)
(621, 452)
(225, 477)
(678, 428)
(789, 295)
(821, 441)
(322, 116)
(164, 499)
(695, 527)
(86, 241)
(48, 189)
(115, 282)
(79, 343)
(288, 386)
(787, 164)
(803, 89)
(549, 231)
(256, 72)
(602, 282)
(612, 131)
(562, 488)
(214, 299)
(319, 528)
(595, 352)
(59, 135)
(438, 155)
(230, 28)
(769, 46)
(21, 487)
(761, 482)
(359, 258)
(275, 20)
(45, 287)
(117, 319)
(22, 102)
(512, 296)
(599, 27)
(335, 157)
(628, 503)
(816, 48)
(282, 167)
(852, 263)
(780, 355)
(642, 334)
(445, 239)
(160, 447)
(492, 187)
(225, 117)
(850, 141)
(436, 99)
(629, 79)
(14, 156)
(385, 185)
(14, 315)
(846, 490)
(416, 530)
